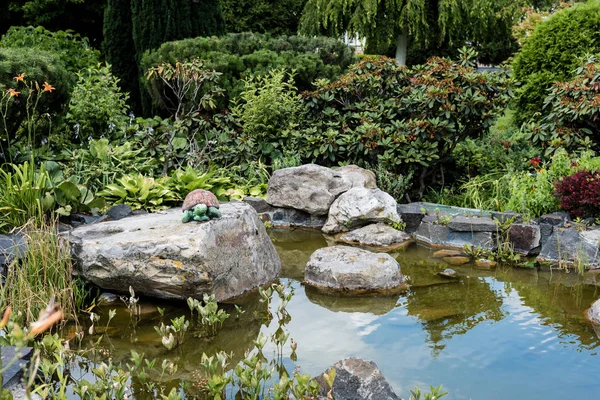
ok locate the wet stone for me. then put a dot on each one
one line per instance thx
(485, 263)
(447, 253)
(456, 260)
(441, 235)
(448, 273)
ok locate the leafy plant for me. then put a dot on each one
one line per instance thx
(139, 192)
(210, 316)
(579, 194)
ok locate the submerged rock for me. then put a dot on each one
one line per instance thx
(356, 379)
(310, 188)
(448, 273)
(594, 312)
(350, 269)
(458, 260)
(484, 263)
(161, 257)
(447, 253)
(359, 207)
(377, 235)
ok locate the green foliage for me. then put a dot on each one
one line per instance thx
(97, 106)
(268, 111)
(117, 45)
(572, 119)
(32, 108)
(24, 195)
(407, 120)
(279, 17)
(103, 161)
(74, 51)
(551, 54)
(237, 56)
(140, 192)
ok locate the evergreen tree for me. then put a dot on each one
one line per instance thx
(118, 46)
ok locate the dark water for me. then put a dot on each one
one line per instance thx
(501, 334)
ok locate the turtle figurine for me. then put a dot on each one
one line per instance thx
(200, 205)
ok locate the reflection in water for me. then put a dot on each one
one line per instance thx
(507, 333)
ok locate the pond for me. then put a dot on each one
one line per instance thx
(493, 334)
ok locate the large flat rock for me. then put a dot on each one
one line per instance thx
(567, 245)
(441, 235)
(160, 256)
(377, 235)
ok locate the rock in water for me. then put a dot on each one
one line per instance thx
(358, 207)
(377, 235)
(357, 379)
(309, 188)
(161, 257)
(350, 269)
(594, 312)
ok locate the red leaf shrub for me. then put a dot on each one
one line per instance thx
(580, 194)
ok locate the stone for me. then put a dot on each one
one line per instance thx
(377, 235)
(119, 211)
(525, 238)
(484, 263)
(567, 245)
(82, 219)
(448, 273)
(12, 247)
(460, 223)
(553, 219)
(289, 217)
(412, 215)
(356, 379)
(159, 256)
(107, 298)
(359, 177)
(12, 375)
(310, 188)
(504, 216)
(359, 207)
(545, 232)
(460, 260)
(447, 253)
(260, 205)
(344, 268)
(440, 235)
(593, 312)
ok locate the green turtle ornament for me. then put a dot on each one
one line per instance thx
(200, 205)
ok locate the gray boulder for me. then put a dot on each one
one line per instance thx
(567, 245)
(12, 247)
(357, 379)
(377, 235)
(441, 235)
(461, 223)
(310, 188)
(359, 177)
(358, 207)
(351, 269)
(594, 312)
(160, 256)
(526, 238)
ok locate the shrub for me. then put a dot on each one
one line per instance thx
(268, 110)
(579, 194)
(551, 53)
(97, 106)
(38, 67)
(241, 55)
(573, 112)
(409, 120)
(74, 51)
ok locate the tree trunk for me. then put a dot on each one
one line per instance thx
(401, 47)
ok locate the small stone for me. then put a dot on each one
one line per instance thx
(118, 212)
(108, 298)
(448, 273)
(447, 253)
(594, 312)
(459, 260)
(485, 263)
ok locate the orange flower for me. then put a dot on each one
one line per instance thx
(12, 92)
(5, 318)
(19, 78)
(45, 323)
(48, 87)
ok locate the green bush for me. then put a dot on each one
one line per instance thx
(572, 121)
(38, 67)
(407, 120)
(74, 51)
(238, 56)
(268, 110)
(97, 106)
(551, 54)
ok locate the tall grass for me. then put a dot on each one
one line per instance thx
(44, 271)
(23, 190)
